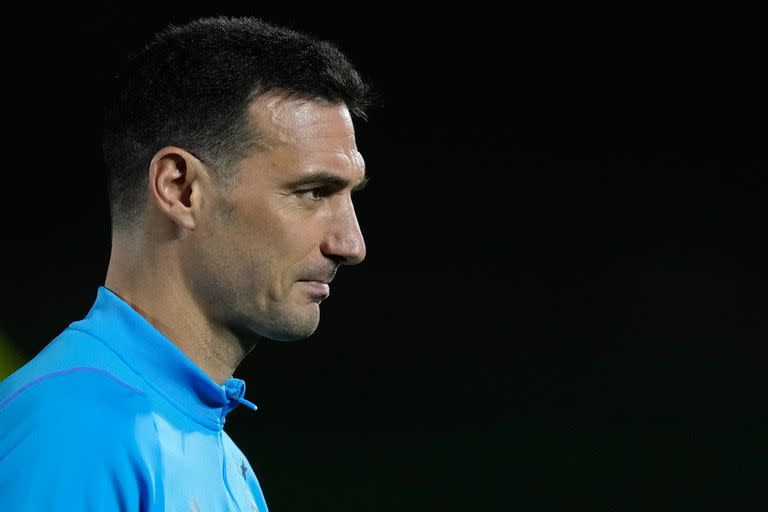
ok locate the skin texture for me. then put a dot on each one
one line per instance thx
(217, 268)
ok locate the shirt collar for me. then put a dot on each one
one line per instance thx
(149, 353)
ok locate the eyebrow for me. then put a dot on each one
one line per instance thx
(327, 179)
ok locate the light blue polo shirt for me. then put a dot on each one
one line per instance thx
(112, 416)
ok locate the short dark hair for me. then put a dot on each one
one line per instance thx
(191, 86)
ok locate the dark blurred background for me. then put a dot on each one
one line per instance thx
(564, 300)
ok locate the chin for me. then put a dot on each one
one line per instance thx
(283, 324)
(297, 326)
(289, 336)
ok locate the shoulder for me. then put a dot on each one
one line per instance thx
(83, 431)
(75, 393)
(72, 358)
(77, 406)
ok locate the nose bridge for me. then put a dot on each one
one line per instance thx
(345, 238)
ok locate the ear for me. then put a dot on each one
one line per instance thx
(177, 182)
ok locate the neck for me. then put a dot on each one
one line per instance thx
(152, 286)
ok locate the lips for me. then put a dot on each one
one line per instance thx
(322, 281)
(319, 289)
(324, 278)
(317, 283)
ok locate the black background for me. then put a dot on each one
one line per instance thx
(564, 299)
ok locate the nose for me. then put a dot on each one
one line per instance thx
(344, 242)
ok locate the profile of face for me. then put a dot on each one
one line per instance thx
(267, 247)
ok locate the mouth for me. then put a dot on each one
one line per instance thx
(318, 289)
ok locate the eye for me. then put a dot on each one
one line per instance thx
(313, 193)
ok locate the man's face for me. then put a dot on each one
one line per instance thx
(268, 244)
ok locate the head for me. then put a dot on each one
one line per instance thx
(231, 142)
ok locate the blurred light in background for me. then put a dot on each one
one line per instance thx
(10, 357)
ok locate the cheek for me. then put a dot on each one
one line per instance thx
(261, 259)
(290, 235)
(268, 248)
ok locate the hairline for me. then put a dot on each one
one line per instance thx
(251, 138)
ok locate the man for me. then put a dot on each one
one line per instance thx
(232, 162)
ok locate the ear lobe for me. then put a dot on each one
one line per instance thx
(173, 180)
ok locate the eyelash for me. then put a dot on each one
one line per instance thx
(315, 194)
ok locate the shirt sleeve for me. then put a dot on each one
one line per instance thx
(78, 441)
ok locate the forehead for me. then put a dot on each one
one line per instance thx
(302, 136)
(293, 121)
